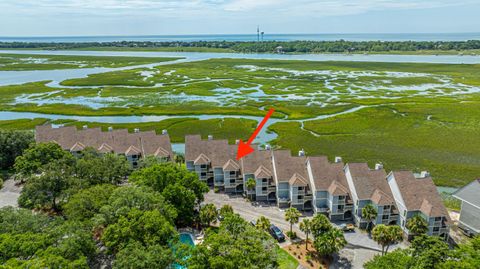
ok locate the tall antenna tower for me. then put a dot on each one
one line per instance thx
(258, 33)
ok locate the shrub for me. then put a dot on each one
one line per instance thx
(292, 235)
(216, 190)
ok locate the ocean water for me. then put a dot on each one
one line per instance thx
(253, 37)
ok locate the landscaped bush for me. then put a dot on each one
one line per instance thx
(291, 235)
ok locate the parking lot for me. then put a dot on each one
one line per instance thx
(360, 249)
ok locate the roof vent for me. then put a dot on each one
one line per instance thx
(85, 127)
(378, 166)
(136, 130)
(237, 141)
(110, 128)
(210, 137)
(424, 174)
(301, 153)
(268, 147)
(338, 159)
(164, 132)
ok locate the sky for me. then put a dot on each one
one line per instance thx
(184, 17)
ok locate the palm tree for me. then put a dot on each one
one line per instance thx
(386, 236)
(320, 224)
(263, 223)
(417, 225)
(306, 227)
(179, 158)
(369, 212)
(225, 210)
(208, 214)
(330, 242)
(292, 215)
(251, 186)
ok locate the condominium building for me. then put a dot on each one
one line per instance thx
(215, 162)
(291, 180)
(259, 167)
(134, 145)
(416, 194)
(331, 195)
(369, 186)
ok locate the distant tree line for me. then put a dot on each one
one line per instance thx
(338, 46)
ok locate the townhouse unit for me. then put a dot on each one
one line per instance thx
(331, 195)
(291, 180)
(416, 194)
(134, 145)
(259, 167)
(470, 212)
(369, 186)
(215, 162)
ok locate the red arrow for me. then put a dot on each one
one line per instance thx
(244, 148)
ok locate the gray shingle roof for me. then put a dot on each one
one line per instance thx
(470, 193)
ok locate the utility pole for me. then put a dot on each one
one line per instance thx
(258, 33)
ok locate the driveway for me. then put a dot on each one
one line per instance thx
(9, 194)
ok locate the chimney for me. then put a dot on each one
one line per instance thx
(136, 130)
(267, 147)
(338, 159)
(237, 141)
(210, 137)
(110, 128)
(85, 127)
(378, 166)
(424, 174)
(164, 132)
(301, 153)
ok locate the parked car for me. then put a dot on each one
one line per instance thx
(347, 227)
(467, 232)
(220, 217)
(277, 233)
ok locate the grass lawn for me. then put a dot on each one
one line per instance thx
(285, 260)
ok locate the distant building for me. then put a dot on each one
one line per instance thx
(134, 145)
(416, 194)
(279, 50)
(470, 213)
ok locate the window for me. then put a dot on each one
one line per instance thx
(264, 188)
(264, 180)
(232, 173)
(404, 213)
(385, 217)
(387, 207)
(436, 229)
(341, 198)
(403, 223)
(340, 207)
(203, 166)
(300, 188)
(203, 174)
(438, 218)
(357, 202)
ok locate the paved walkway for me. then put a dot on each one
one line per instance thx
(9, 194)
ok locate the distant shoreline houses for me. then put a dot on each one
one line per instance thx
(309, 183)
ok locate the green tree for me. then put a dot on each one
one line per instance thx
(263, 223)
(12, 145)
(369, 213)
(235, 245)
(48, 189)
(306, 227)
(250, 184)
(330, 242)
(428, 251)
(292, 215)
(38, 155)
(417, 225)
(159, 176)
(387, 235)
(146, 227)
(397, 259)
(179, 158)
(464, 256)
(226, 210)
(93, 168)
(85, 204)
(183, 200)
(320, 224)
(208, 214)
(135, 255)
